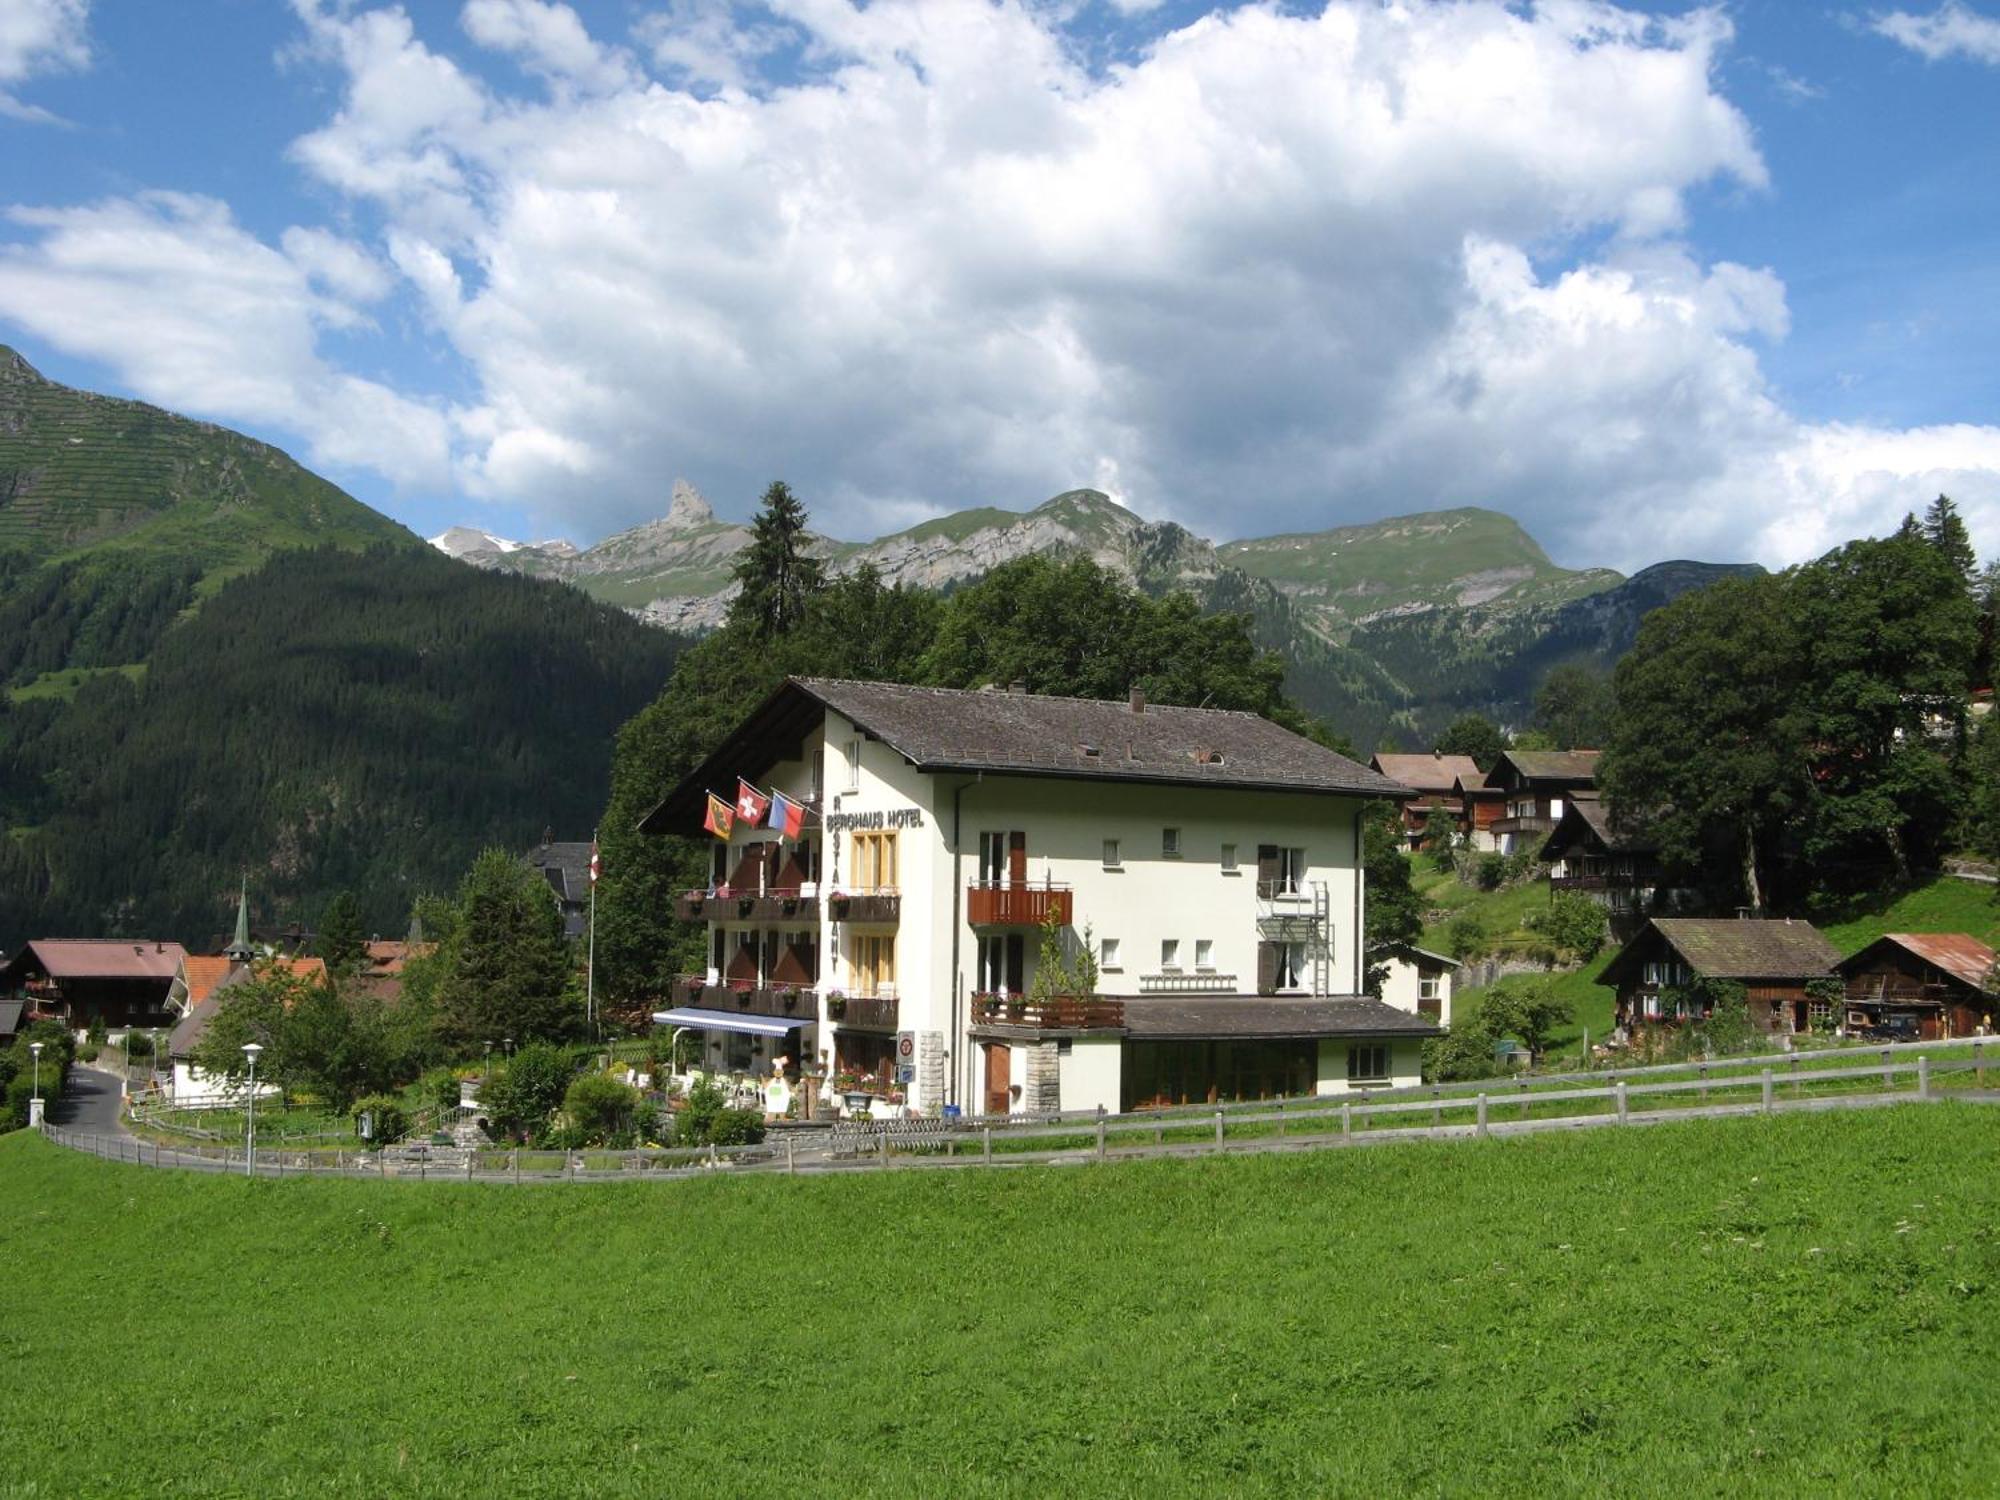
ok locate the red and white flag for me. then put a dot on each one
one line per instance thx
(751, 804)
(596, 863)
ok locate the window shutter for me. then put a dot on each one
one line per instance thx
(1267, 968)
(1017, 857)
(1267, 867)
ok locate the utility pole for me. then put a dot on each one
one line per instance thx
(590, 953)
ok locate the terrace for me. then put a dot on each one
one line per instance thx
(990, 903)
(1056, 1013)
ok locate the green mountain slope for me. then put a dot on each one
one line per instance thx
(80, 472)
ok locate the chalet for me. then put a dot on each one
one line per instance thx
(1773, 960)
(1920, 986)
(1534, 787)
(1207, 863)
(207, 989)
(1451, 791)
(1416, 980)
(1620, 870)
(566, 867)
(84, 982)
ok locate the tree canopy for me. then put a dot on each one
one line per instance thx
(506, 969)
(1474, 735)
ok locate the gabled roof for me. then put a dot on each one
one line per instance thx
(1430, 773)
(189, 1029)
(1732, 948)
(1577, 766)
(100, 958)
(566, 867)
(1412, 951)
(201, 974)
(1023, 734)
(1958, 954)
(1587, 818)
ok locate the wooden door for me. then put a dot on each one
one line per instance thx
(997, 1083)
(1017, 858)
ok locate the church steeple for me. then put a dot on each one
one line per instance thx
(239, 950)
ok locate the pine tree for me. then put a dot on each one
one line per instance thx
(1944, 529)
(507, 969)
(340, 940)
(777, 574)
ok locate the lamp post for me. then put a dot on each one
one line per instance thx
(36, 1048)
(250, 1050)
(486, 1068)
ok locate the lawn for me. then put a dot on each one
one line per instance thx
(1800, 1304)
(1944, 904)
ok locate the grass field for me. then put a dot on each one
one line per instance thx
(1944, 904)
(1775, 1306)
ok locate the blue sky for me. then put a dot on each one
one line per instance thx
(1660, 280)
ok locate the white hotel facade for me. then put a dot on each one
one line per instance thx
(1209, 861)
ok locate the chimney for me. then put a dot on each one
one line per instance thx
(1138, 699)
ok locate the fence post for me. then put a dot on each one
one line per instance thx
(1346, 1120)
(1482, 1114)
(1281, 1119)
(468, 1166)
(1100, 1132)
(1798, 1086)
(1979, 1061)
(986, 1143)
(1704, 1083)
(1522, 1084)
(1888, 1078)
(1218, 1129)
(791, 1157)
(1624, 1113)
(514, 1160)
(1437, 1115)
(1923, 1075)
(883, 1137)
(1767, 1090)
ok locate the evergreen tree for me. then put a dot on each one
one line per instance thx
(1945, 530)
(1474, 735)
(1574, 707)
(776, 573)
(507, 970)
(340, 940)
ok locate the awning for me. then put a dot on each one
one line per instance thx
(723, 1020)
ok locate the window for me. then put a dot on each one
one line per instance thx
(1204, 955)
(1170, 953)
(1819, 1012)
(1280, 871)
(1429, 987)
(1368, 1064)
(1107, 953)
(1003, 964)
(854, 765)
(1170, 843)
(1111, 854)
(1291, 965)
(874, 964)
(1229, 859)
(873, 866)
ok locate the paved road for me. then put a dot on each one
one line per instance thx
(91, 1105)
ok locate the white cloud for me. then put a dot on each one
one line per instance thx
(1952, 30)
(1277, 271)
(196, 314)
(39, 36)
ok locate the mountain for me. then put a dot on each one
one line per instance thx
(1387, 629)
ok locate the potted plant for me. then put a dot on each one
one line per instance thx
(986, 1004)
(836, 904)
(788, 996)
(836, 1005)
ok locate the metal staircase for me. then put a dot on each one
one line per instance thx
(1301, 913)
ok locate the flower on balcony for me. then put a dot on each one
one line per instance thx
(986, 1003)
(836, 1005)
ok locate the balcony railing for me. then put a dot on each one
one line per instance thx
(725, 905)
(1197, 983)
(867, 1012)
(865, 906)
(1525, 823)
(784, 1001)
(1005, 904)
(1063, 1013)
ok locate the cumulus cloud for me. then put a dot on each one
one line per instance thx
(1273, 271)
(39, 36)
(197, 314)
(1952, 30)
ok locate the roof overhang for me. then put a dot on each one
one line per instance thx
(722, 1020)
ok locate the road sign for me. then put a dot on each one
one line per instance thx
(906, 1073)
(906, 1046)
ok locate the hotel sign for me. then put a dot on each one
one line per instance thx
(895, 817)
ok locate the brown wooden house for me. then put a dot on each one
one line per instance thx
(118, 982)
(1619, 870)
(1440, 782)
(1536, 786)
(1924, 986)
(1773, 961)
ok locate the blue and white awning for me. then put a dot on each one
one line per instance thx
(724, 1020)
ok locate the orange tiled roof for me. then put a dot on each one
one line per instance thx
(201, 975)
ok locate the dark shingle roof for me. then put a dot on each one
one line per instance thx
(1025, 734)
(566, 867)
(1734, 948)
(1199, 1018)
(1430, 773)
(1589, 813)
(1554, 765)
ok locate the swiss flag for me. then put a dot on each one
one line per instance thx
(751, 804)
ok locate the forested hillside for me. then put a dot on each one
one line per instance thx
(334, 720)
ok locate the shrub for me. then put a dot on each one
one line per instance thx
(1465, 936)
(1488, 871)
(390, 1121)
(521, 1099)
(705, 1121)
(1463, 1052)
(440, 1087)
(1574, 924)
(600, 1109)
(89, 1052)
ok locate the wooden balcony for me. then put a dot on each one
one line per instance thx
(1063, 1013)
(771, 908)
(782, 1001)
(1010, 905)
(1525, 823)
(868, 1012)
(865, 906)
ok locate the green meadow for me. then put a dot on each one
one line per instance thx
(1804, 1304)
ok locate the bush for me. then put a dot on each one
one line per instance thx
(1488, 871)
(521, 1099)
(704, 1121)
(440, 1087)
(1465, 936)
(600, 1109)
(89, 1053)
(390, 1120)
(1463, 1052)
(1574, 925)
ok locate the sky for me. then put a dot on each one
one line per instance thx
(1660, 281)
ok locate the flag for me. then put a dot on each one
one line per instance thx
(596, 863)
(721, 817)
(751, 804)
(787, 816)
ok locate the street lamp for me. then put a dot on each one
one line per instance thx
(509, 1043)
(486, 1068)
(250, 1050)
(36, 1048)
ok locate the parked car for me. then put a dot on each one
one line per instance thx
(1895, 1028)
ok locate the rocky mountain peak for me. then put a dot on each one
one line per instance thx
(689, 509)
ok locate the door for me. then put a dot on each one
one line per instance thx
(1017, 858)
(997, 1089)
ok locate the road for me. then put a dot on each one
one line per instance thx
(92, 1104)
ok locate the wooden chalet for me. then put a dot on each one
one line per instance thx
(1920, 986)
(1772, 960)
(1618, 870)
(82, 982)
(1439, 781)
(1535, 786)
